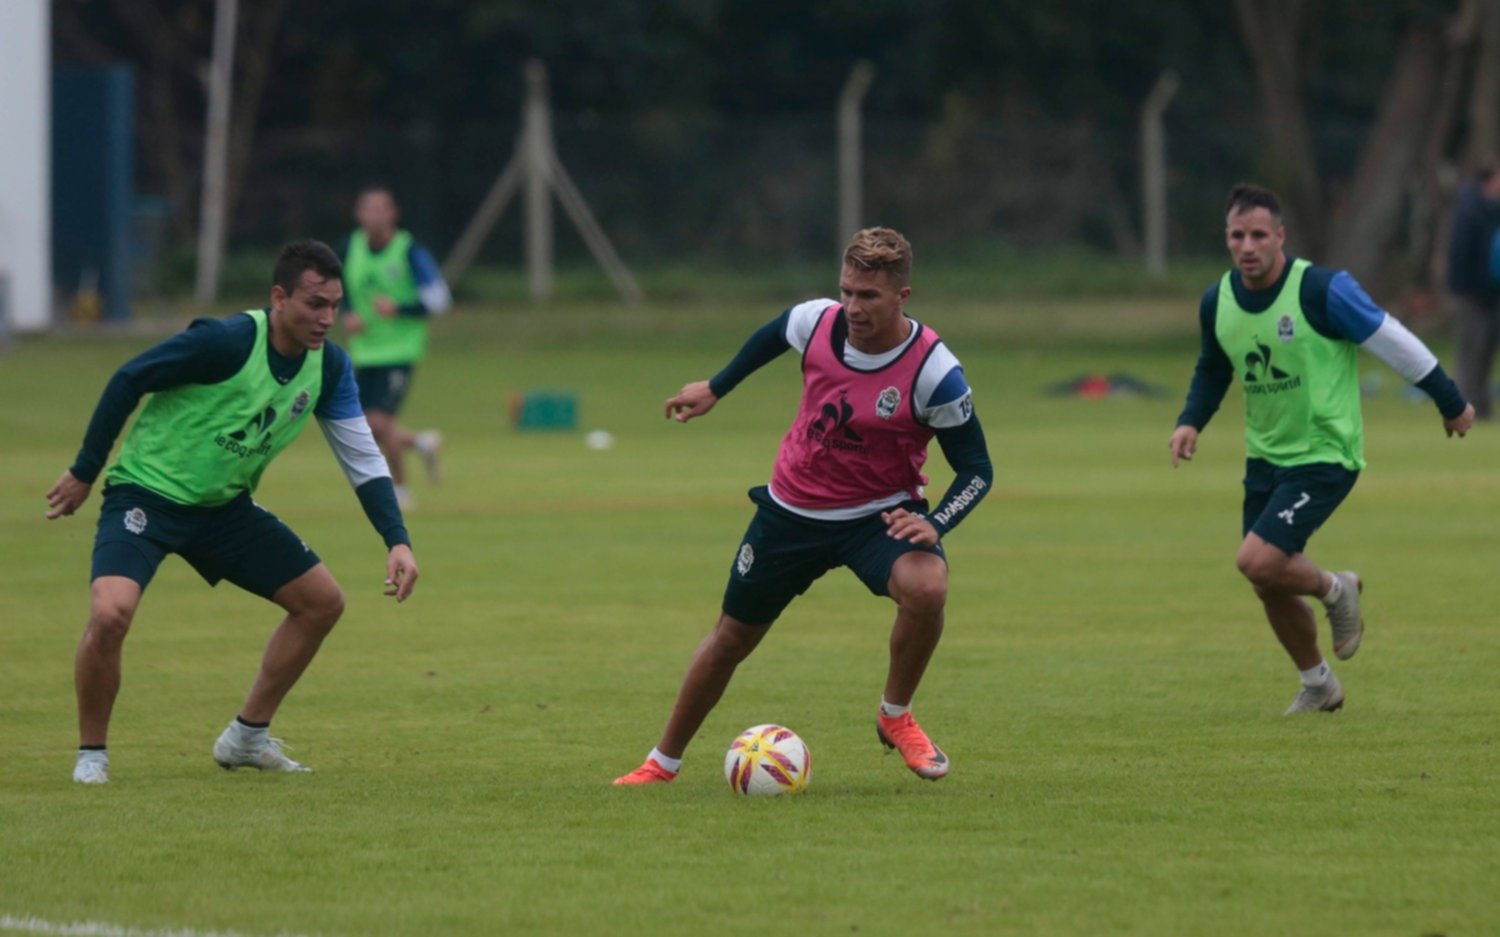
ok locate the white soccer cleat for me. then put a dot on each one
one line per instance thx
(265, 756)
(428, 443)
(1345, 617)
(1319, 699)
(91, 768)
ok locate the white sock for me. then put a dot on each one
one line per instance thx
(1316, 676)
(93, 754)
(249, 735)
(673, 765)
(891, 710)
(1335, 591)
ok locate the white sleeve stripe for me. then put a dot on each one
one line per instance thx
(354, 446)
(955, 412)
(435, 296)
(802, 319)
(1403, 351)
(934, 369)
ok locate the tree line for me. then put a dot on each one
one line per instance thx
(1367, 113)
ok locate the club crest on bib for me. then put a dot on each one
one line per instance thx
(745, 560)
(890, 399)
(135, 520)
(300, 404)
(1284, 328)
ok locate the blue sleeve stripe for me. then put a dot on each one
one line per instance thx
(341, 401)
(952, 387)
(424, 268)
(1351, 311)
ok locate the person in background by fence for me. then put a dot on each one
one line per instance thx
(1289, 332)
(1474, 279)
(393, 287)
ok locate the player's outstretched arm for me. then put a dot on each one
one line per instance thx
(1184, 444)
(69, 493)
(1460, 424)
(693, 400)
(400, 572)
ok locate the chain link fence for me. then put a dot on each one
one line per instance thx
(722, 189)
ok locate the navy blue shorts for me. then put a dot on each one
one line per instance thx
(782, 554)
(1286, 506)
(239, 541)
(384, 387)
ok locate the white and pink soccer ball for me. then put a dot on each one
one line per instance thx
(768, 759)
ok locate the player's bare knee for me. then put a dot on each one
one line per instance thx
(319, 608)
(109, 621)
(382, 426)
(1264, 568)
(920, 586)
(328, 607)
(926, 596)
(733, 640)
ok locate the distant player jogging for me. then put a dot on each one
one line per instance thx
(846, 489)
(393, 288)
(1289, 332)
(226, 397)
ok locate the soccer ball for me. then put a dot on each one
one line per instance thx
(768, 759)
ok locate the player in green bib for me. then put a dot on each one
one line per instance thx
(1289, 332)
(393, 288)
(225, 397)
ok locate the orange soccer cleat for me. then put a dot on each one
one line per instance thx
(648, 773)
(903, 734)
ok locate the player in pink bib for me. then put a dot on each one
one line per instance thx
(856, 442)
(878, 386)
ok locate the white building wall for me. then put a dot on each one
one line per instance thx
(25, 151)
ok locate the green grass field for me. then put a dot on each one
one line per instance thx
(1107, 689)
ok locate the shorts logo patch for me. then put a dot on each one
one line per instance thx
(135, 520)
(890, 399)
(1284, 329)
(300, 404)
(745, 560)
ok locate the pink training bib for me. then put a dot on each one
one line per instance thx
(856, 438)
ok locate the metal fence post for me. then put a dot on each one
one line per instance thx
(1154, 172)
(851, 151)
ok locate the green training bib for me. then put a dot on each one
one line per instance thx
(204, 444)
(368, 274)
(1301, 389)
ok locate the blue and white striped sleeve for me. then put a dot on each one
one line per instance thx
(343, 422)
(432, 289)
(943, 397)
(1354, 315)
(348, 434)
